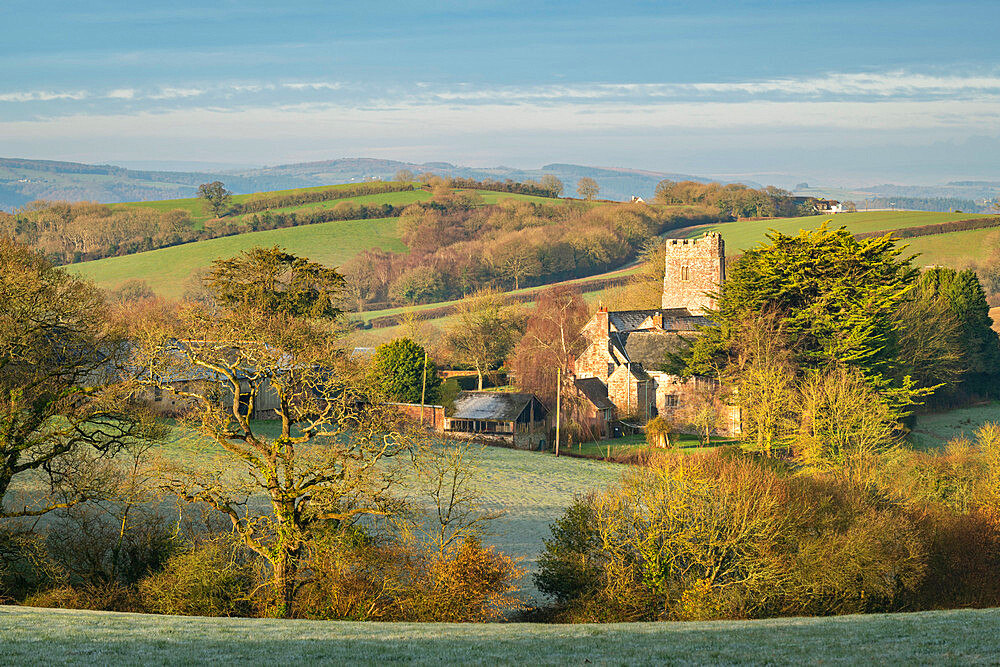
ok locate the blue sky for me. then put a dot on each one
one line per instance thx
(845, 92)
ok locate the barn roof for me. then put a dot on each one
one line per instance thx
(494, 405)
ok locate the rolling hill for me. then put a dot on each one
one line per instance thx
(24, 180)
(58, 636)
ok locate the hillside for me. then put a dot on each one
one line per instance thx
(24, 180)
(168, 271)
(742, 235)
(85, 637)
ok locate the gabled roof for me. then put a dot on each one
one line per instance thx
(595, 391)
(674, 319)
(650, 348)
(494, 405)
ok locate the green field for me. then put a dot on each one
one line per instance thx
(168, 270)
(197, 211)
(51, 636)
(740, 236)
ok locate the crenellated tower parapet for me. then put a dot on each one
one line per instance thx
(693, 269)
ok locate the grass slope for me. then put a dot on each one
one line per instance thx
(198, 212)
(742, 235)
(167, 270)
(530, 489)
(44, 636)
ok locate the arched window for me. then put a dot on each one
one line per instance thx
(684, 272)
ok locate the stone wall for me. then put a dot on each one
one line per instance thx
(594, 360)
(693, 267)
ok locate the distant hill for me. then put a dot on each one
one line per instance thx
(24, 180)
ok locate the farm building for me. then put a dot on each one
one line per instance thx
(507, 418)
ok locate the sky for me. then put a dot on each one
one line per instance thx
(846, 93)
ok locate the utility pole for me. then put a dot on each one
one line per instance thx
(558, 405)
(423, 390)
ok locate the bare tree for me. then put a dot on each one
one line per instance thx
(485, 332)
(330, 460)
(63, 403)
(587, 188)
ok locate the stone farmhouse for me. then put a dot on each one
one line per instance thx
(625, 349)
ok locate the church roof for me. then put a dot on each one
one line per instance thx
(674, 319)
(650, 348)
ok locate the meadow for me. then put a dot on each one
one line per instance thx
(745, 234)
(168, 270)
(53, 636)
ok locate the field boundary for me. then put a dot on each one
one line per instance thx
(933, 230)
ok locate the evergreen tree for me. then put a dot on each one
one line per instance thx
(398, 368)
(965, 298)
(836, 298)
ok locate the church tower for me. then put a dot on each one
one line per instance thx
(693, 268)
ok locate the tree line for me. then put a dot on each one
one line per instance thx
(457, 248)
(735, 199)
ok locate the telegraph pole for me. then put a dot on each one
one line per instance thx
(558, 404)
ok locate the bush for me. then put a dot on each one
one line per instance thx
(214, 577)
(24, 565)
(729, 535)
(353, 577)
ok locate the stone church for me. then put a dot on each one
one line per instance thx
(625, 348)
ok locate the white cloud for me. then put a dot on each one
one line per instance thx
(168, 93)
(121, 94)
(314, 85)
(41, 96)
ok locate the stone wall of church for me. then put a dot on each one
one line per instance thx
(693, 268)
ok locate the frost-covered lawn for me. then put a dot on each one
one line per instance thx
(531, 489)
(43, 636)
(933, 431)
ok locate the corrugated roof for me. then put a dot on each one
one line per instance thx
(595, 391)
(491, 405)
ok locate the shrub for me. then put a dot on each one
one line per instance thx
(213, 577)
(730, 535)
(469, 583)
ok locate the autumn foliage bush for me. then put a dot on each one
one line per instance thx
(732, 535)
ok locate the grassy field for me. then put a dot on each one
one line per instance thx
(957, 249)
(530, 489)
(197, 211)
(168, 270)
(44, 636)
(742, 235)
(933, 431)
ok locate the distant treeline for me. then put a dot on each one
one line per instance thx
(735, 200)
(265, 202)
(457, 248)
(551, 187)
(924, 204)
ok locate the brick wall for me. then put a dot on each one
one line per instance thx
(692, 268)
(433, 414)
